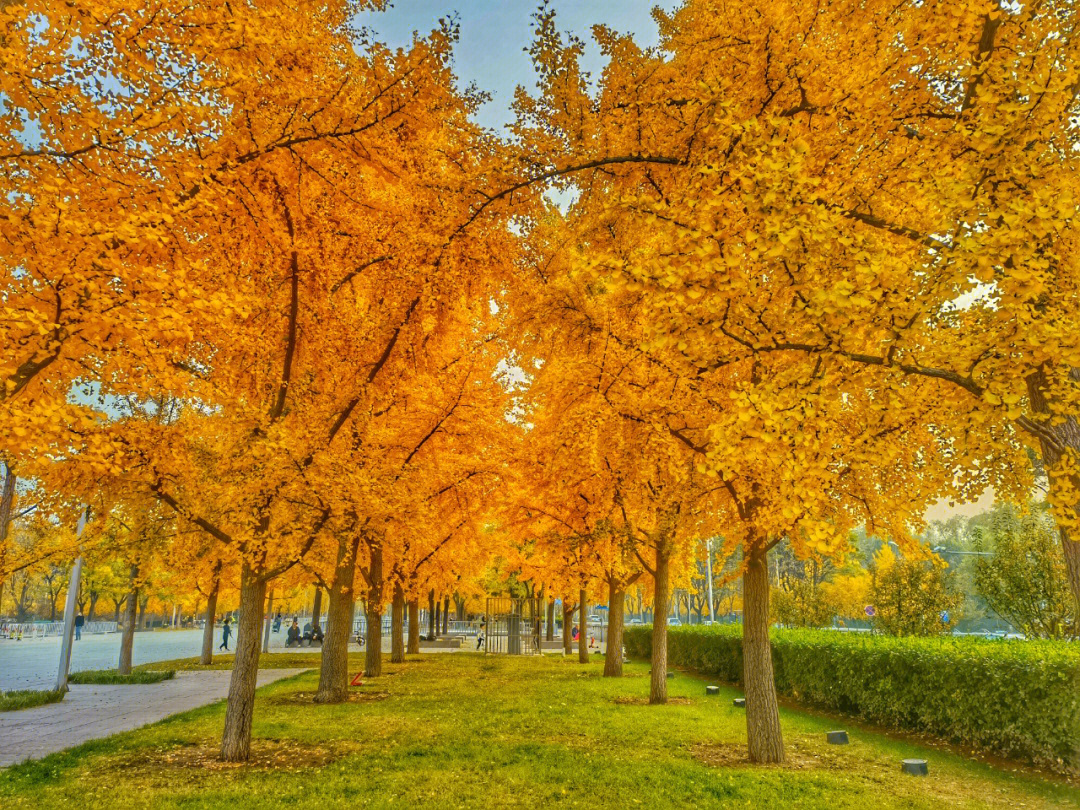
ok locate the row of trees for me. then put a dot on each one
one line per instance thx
(278, 309)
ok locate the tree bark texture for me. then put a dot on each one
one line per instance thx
(373, 658)
(583, 625)
(207, 656)
(567, 629)
(550, 632)
(414, 627)
(446, 615)
(431, 614)
(316, 607)
(334, 667)
(1058, 440)
(763, 733)
(661, 605)
(614, 653)
(397, 626)
(236, 741)
(127, 637)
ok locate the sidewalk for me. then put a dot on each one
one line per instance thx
(93, 712)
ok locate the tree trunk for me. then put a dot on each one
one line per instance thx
(438, 619)
(567, 632)
(373, 659)
(446, 615)
(765, 739)
(7, 506)
(583, 635)
(207, 656)
(661, 607)
(550, 633)
(127, 637)
(236, 741)
(143, 602)
(397, 626)
(613, 653)
(269, 619)
(414, 627)
(316, 608)
(334, 666)
(431, 614)
(93, 604)
(1066, 434)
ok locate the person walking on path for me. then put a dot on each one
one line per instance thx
(79, 622)
(226, 631)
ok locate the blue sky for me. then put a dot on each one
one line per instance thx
(494, 33)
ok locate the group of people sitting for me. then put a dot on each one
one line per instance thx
(311, 636)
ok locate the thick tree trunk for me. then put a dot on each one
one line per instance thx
(661, 606)
(143, 602)
(127, 637)
(414, 627)
(207, 656)
(236, 741)
(583, 635)
(431, 614)
(373, 658)
(550, 633)
(1067, 435)
(334, 667)
(613, 652)
(763, 733)
(438, 619)
(567, 627)
(397, 626)
(316, 608)
(446, 616)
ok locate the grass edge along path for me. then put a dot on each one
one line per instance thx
(111, 677)
(472, 731)
(17, 699)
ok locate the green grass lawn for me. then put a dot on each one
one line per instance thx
(462, 730)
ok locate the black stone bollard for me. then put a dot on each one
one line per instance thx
(915, 767)
(712, 690)
(836, 737)
(739, 703)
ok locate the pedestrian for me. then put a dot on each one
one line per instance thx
(79, 622)
(480, 634)
(226, 631)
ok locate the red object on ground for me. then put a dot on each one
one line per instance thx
(356, 679)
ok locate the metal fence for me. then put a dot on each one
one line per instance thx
(513, 626)
(45, 629)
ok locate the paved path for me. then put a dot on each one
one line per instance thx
(92, 712)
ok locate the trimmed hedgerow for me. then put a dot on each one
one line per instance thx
(1014, 698)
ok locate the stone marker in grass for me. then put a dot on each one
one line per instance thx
(836, 737)
(739, 703)
(915, 767)
(712, 690)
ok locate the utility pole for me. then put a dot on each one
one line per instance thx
(708, 574)
(69, 610)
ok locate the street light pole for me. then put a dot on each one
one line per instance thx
(69, 610)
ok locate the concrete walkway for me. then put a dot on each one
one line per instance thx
(92, 712)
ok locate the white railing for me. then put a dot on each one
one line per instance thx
(10, 630)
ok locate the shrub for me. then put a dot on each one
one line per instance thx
(1014, 698)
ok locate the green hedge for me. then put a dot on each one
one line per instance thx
(1015, 698)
